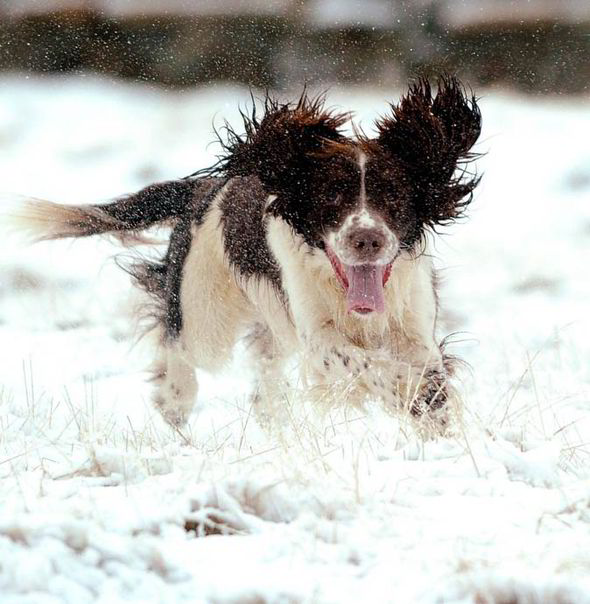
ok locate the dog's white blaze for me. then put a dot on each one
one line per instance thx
(363, 218)
(362, 158)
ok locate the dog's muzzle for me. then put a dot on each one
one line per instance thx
(362, 257)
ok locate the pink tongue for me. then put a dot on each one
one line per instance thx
(365, 287)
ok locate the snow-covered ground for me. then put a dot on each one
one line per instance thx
(101, 501)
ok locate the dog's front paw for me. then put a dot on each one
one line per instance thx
(174, 408)
(170, 412)
(436, 406)
(431, 394)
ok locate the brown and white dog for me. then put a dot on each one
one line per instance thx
(306, 241)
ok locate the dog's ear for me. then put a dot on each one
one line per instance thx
(429, 138)
(280, 146)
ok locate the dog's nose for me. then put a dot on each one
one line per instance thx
(366, 243)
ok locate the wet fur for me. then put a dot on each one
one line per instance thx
(247, 250)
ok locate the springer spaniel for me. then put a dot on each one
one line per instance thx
(306, 240)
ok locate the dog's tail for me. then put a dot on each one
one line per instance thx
(123, 217)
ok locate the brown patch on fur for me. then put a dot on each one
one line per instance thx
(278, 147)
(428, 137)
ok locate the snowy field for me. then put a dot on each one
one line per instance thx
(101, 501)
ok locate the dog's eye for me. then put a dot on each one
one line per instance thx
(333, 201)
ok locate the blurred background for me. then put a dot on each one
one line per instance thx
(537, 46)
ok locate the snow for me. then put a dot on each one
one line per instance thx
(100, 501)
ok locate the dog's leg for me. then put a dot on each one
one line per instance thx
(267, 360)
(175, 383)
(206, 311)
(421, 385)
(203, 311)
(330, 359)
(417, 386)
(407, 371)
(428, 389)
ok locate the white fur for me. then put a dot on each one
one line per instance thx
(385, 354)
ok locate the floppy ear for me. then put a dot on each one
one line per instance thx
(279, 148)
(429, 138)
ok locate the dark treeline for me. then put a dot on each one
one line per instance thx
(539, 55)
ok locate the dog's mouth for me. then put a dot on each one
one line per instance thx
(363, 283)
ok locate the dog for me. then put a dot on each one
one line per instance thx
(306, 240)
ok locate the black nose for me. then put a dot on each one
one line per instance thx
(366, 243)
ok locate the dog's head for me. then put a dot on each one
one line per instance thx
(360, 202)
